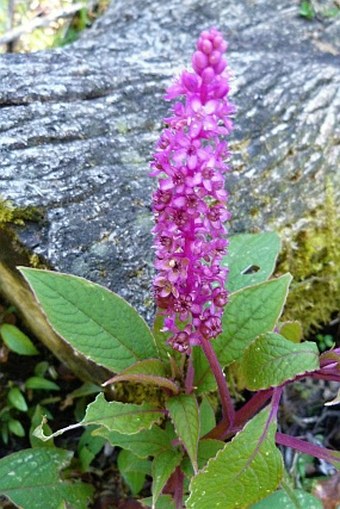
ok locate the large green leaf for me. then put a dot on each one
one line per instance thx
(244, 471)
(30, 479)
(162, 468)
(126, 418)
(251, 258)
(250, 312)
(294, 499)
(149, 442)
(271, 360)
(184, 414)
(96, 322)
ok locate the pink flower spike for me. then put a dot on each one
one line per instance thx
(190, 202)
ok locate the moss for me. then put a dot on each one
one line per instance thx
(18, 215)
(312, 255)
(13, 252)
(129, 392)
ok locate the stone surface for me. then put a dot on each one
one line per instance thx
(77, 127)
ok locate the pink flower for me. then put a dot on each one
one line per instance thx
(190, 202)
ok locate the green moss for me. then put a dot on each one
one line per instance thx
(18, 215)
(312, 255)
(13, 252)
(129, 392)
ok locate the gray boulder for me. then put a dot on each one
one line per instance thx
(77, 127)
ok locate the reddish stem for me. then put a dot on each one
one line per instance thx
(256, 402)
(178, 493)
(307, 447)
(189, 380)
(252, 406)
(228, 411)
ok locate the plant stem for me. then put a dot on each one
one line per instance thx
(178, 494)
(228, 410)
(307, 447)
(252, 406)
(189, 380)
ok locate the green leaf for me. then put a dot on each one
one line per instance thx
(16, 399)
(96, 322)
(150, 371)
(244, 471)
(272, 360)
(150, 442)
(184, 414)
(291, 330)
(125, 418)
(295, 499)
(251, 258)
(133, 470)
(207, 448)
(88, 447)
(30, 479)
(162, 468)
(16, 428)
(204, 378)
(250, 312)
(307, 10)
(207, 417)
(37, 417)
(36, 382)
(16, 340)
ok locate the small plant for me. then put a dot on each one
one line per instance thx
(215, 308)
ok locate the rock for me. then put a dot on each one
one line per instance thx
(77, 127)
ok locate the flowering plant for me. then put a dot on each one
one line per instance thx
(217, 305)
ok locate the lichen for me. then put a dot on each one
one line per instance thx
(311, 253)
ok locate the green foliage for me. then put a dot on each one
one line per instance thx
(271, 360)
(133, 470)
(293, 499)
(207, 449)
(250, 312)
(115, 416)
(167, 439)
(150, 442)
(292, 331)
(163, 466)
(244, 471)
(16, 340)
(95, 321)
(30, 479)
(251, 258)
(307, 10)
(88, 447)
(324, 341)
(17, 399)
(184, 414)
(207, 416)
